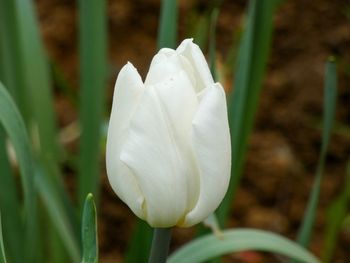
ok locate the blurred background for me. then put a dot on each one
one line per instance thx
(284, 147)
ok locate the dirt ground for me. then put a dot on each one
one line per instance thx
(284, 148)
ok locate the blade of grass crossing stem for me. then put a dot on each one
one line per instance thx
(14, 126)
(232, 241)
(93, 72)
(38, 80)
(9, 205)
(141, 239)
(13, 230)
(167, 29)
(330, 93)
(57, 213)
(140, 243)
(89, 231)
(336, 214)
(243, 102)
(38, 85)
(2, 248)
(31, 69)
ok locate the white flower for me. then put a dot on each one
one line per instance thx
(168, 147)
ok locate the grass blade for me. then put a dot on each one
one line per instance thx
(38, 82)
(11, 55)
(232, 241)
(336, 214)
(89, 231)
(93, 73)
(14, 126)
(10, 206)
(330, 94)
(38, 87)
(15, 129)
(167, 30)
(250, 69)
(57, 212)
(212, 42)
(2, 249)
(140, 243)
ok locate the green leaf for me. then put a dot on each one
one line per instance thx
(14, 126)
(140, 243)
(57, 212)
(11, 55)
(232, 241)
(212, 42)
(89, 231)
(336, 214)
(93, 73)
(37, 87)
(37, 81)
(330, 95)
(15, 129)
(167, 30)
(10, 206)
(2, 254)
(242, 104)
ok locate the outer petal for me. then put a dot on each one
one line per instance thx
(128, 89)
(212, 147)
(195, 56)
(179, 103)
(167, 63)
(154, 150)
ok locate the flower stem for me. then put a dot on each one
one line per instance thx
(160, 245)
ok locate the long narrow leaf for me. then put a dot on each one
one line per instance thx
(14, 126)
(243, 102)
(11, 55)
(38, 82)
(89, 231)
(336, 214)
(140, 243)
(232, 241)
(10, 206)
(212, 41)
(167, 30)
(57, 213)
(93, 72)
(38, 87)
(2, 249)
(330, 94)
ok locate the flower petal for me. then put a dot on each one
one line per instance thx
(167, 63)
(179, 104)
(195, 56)
(162, 66)
(150, 153)
(127, 91)
(212, 147)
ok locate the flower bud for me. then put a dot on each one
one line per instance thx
(168, 146)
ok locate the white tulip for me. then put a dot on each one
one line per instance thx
(168, 147)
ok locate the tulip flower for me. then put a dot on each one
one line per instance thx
(168, 146)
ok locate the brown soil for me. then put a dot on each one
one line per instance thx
(285, 144)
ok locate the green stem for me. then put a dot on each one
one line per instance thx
(160, 245)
